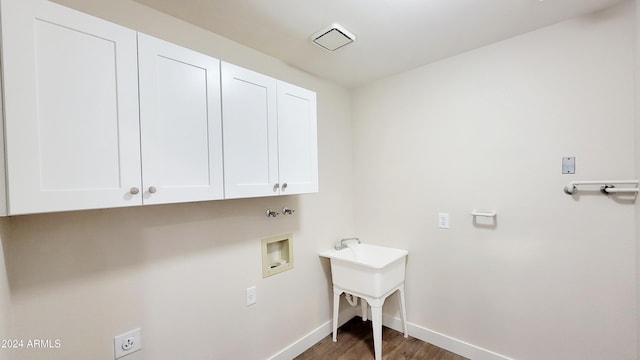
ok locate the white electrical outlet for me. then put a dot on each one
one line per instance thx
(251, 295)
(443, 220)
(127, 343)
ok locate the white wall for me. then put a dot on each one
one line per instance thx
(486, 130)
(180, 271)
(554, 280)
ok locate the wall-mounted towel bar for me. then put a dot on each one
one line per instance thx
(484, 214)
(606, 186)
(610, 189)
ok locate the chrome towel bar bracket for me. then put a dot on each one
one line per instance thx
(606, 186)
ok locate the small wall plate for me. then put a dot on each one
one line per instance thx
(569, 165)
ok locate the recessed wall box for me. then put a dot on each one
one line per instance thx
(277, 254)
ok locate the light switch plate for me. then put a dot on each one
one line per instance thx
(443, 220)
(251, 295)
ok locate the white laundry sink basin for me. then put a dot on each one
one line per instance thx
(372, 273)
(367, 270)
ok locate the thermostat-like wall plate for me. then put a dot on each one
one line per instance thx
(569, 165)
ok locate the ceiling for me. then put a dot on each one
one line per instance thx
(392, 35)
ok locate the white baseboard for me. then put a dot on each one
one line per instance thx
(307, 341)
(443, 341)
(432, 337)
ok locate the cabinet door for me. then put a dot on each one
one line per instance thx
(297, 140)
(250, 133)
(71, 106)
(180, 119)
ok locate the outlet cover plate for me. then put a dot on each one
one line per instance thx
(127, 343)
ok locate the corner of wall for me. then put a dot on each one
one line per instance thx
(636, 140)
(4, 286)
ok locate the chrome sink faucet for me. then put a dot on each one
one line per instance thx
(342, 243)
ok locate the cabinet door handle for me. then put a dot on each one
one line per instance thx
(276, 186)
(152, 189)
(134, 191)
(284, 186)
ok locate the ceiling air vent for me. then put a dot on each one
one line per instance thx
(333, 37)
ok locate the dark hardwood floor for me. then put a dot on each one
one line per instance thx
(355, 342)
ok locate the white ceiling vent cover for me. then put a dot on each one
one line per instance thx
(333, 37)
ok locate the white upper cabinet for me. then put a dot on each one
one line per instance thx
(269, 131)
(297, 140)
(81, 134)
(180, 121)
(100, 116)
(71, 107)
(250, 132)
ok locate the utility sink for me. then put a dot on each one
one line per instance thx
(371, 273)
(366, 269)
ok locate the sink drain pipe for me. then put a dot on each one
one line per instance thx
(351, 299)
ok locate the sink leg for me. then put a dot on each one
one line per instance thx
(336, 310)
(376, 318)
(363, 305)
(403, 311)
